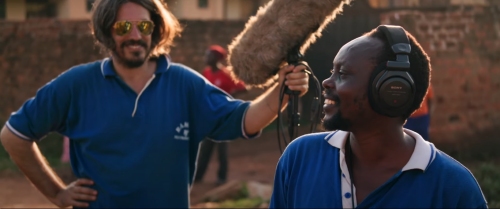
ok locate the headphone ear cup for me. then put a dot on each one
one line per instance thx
(395, 92)
(373, 92)
(392, 93)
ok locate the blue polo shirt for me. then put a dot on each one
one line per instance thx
(312, 173)
(139, 149)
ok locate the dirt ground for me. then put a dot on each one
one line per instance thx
(249, 160)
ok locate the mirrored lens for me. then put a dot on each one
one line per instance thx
(146, 27)
(122, 27)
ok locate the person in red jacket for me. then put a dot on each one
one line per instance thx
(215, 72)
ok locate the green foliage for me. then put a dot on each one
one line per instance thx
(50, 146)
(488, 176)
(241, 200)
(242, 203)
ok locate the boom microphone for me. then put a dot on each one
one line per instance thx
(280, 33)
(279, 28)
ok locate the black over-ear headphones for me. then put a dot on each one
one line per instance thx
(392, 89)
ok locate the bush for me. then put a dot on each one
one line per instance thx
(488, 176)
(242, 203)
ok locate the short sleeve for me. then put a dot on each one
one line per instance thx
(218, 114)
(45, 112)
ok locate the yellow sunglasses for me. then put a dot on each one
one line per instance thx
(124, 27)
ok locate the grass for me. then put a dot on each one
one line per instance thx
(241, 200)
(486, 171)
(242, 203)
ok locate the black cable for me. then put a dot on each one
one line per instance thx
(282, 95)
(315, 104)
(278, 120)
(294, 119)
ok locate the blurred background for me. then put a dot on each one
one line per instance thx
(39, 39)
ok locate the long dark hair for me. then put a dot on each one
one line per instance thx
(167, 27)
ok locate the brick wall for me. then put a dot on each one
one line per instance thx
(33, 52)
(198, 35)
(464, 46)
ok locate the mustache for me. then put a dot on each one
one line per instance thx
(327, 93)
(134, 42)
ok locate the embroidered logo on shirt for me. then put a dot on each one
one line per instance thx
(182, 131)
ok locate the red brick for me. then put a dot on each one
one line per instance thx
(474, 67)
(424, 28)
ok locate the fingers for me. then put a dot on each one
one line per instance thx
(288, 68)
(79, 192)
(292, 68)
(82, 182)
(299, 68)
(83, 197)
(302, 88)
(85, 190)
(296, 78)
(299, 75)
(296, 82)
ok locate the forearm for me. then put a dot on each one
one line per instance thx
(263, 110)
(30, 161)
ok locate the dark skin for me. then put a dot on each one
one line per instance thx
(379, 145)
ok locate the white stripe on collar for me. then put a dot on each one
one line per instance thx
(423, 154)
(102, 66)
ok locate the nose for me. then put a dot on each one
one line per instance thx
(135, 34)
(328, 83)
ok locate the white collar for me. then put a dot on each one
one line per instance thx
(423, 154)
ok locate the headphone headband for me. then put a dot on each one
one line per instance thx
(400, 45)
(392, 89)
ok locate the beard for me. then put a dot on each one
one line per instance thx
(136, 60)
(336, 122)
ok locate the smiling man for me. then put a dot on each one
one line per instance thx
(135, 119)
(367, 159)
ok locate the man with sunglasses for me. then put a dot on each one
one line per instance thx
(135, 120)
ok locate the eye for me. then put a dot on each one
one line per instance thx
(341, 75)
(146, 27)
(122, 27)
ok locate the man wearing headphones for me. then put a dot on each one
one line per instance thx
(367, 159)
